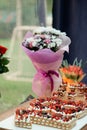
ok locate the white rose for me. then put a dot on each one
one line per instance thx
(38, 40)
(53, 36)
(59, 42)
(41, 47)
(52, 44)
(34, 43)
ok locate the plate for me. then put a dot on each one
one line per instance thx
(9, 124)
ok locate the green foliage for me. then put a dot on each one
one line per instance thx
(9, 89)
(6, 29)
(75, 62)
(13, 93)
(49, 6)
(29, 14)
(65, 63)
(4, 61)
(4, 4)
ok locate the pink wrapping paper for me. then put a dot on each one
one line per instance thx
(45, 60)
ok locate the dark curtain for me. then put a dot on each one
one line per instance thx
(70, 16)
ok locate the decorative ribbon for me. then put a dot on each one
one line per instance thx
(49, 74)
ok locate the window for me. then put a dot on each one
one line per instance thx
(15, 85)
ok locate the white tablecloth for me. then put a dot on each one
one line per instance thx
(9, 124)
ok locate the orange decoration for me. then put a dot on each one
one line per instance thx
(72, 74)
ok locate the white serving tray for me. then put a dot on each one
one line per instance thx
(9, 124)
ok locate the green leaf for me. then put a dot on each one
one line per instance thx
(65, 63)
(80, 63)
(73, 77)
(1, 70)
(4, 61)
(5, 69)
(75, 62)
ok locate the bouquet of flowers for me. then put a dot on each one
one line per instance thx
(45, 48)
(3, 60)
(72, 74)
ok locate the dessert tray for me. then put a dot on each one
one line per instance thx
(50, 112)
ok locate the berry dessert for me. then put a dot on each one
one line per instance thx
(50, 111)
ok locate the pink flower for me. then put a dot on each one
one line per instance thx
(30, 45)
(42, 36)
(47, 41)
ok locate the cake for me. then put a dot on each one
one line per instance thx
(46, 111)
(72, 84)
(50, 111)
